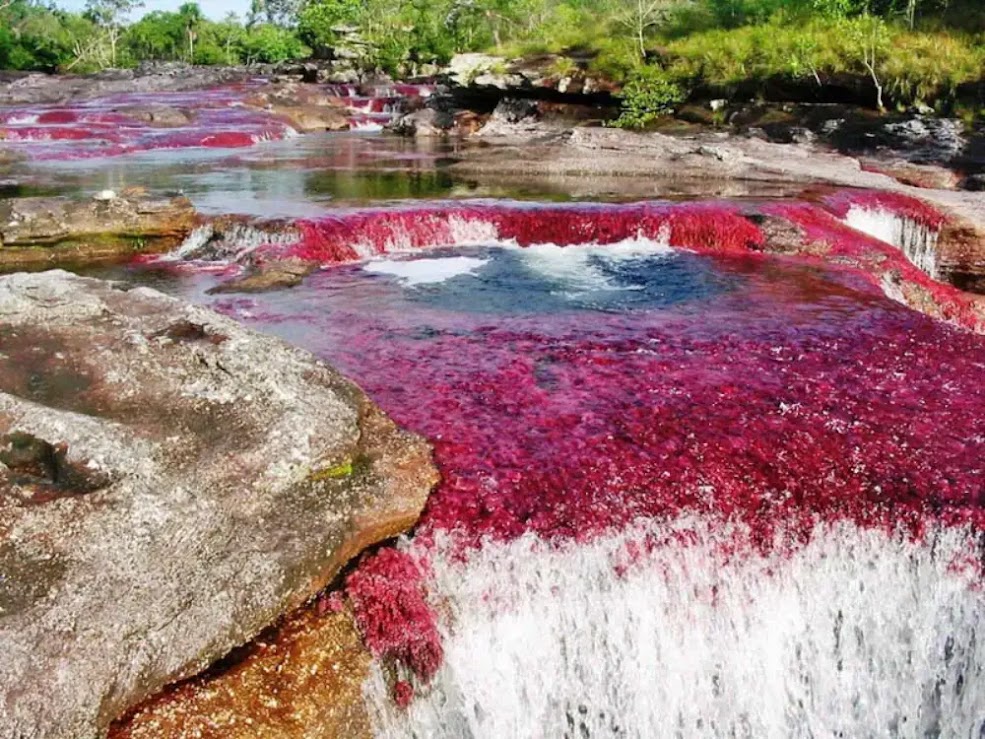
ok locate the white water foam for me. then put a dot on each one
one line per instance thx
(916, 241)
(427, 271)
(856, 634)
(231, 245)
(366, 126)
(461, 232)
(575, 268)
(22, 119)
(194, 243)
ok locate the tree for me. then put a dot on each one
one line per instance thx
(639, 16)
(869, 37)
(276, 12)
(267, 43)
(191, 19)
(318, 21)
(110, 15)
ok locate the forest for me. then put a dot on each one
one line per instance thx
(910, 52)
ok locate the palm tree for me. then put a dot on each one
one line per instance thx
(191, 18)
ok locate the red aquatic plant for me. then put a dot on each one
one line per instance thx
(799, 395)
(394, 617)
(356, 234)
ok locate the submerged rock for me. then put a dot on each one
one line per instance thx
(163, 116)
(270, 276)
(170, 484)
(307, 108)
(48, 229)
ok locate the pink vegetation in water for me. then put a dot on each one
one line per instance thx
(393, 614)
(356, 234)
(804, 396)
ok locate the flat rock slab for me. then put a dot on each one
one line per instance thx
(48, 221)
(170, 484)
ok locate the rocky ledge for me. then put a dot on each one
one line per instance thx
(47, 230)
(170, 484)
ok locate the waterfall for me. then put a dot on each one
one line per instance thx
(918, 241)
(680, 630)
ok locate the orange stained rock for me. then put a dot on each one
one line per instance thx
(302, 679)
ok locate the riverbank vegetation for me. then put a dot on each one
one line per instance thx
(40, 36)
(883, 53)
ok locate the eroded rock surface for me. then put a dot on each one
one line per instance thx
(170, 484)
(48, 229)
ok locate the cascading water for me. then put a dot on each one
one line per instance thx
(917, 241)
(896, 220)
(858, 633)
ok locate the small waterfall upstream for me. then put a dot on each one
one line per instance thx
(918, 241)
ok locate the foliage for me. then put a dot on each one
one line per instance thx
(648, 94)
(904, 51)
(267, 43)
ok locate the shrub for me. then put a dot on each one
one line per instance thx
(648, 94)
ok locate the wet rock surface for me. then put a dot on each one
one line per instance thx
(302, 679)
(270, 276)
(37, 230)
(170, 484)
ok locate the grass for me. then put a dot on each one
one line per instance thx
(913, 66)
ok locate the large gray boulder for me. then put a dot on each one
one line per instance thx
(170, 484)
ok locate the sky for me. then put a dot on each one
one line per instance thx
(214, 9)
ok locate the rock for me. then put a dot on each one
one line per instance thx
(973, 183)
(306, 107)
(170, 484)
(426, 122)
(925, 140)
(270, 276)
(514, 110)
(46, 229)
(514, 117)
(464, 69)
(926, 176)
(802, 135)
(163, 116)
(311, 118)
(306, 681)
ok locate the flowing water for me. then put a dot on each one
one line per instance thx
(684, 492)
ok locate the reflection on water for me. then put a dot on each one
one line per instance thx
(293, 178)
